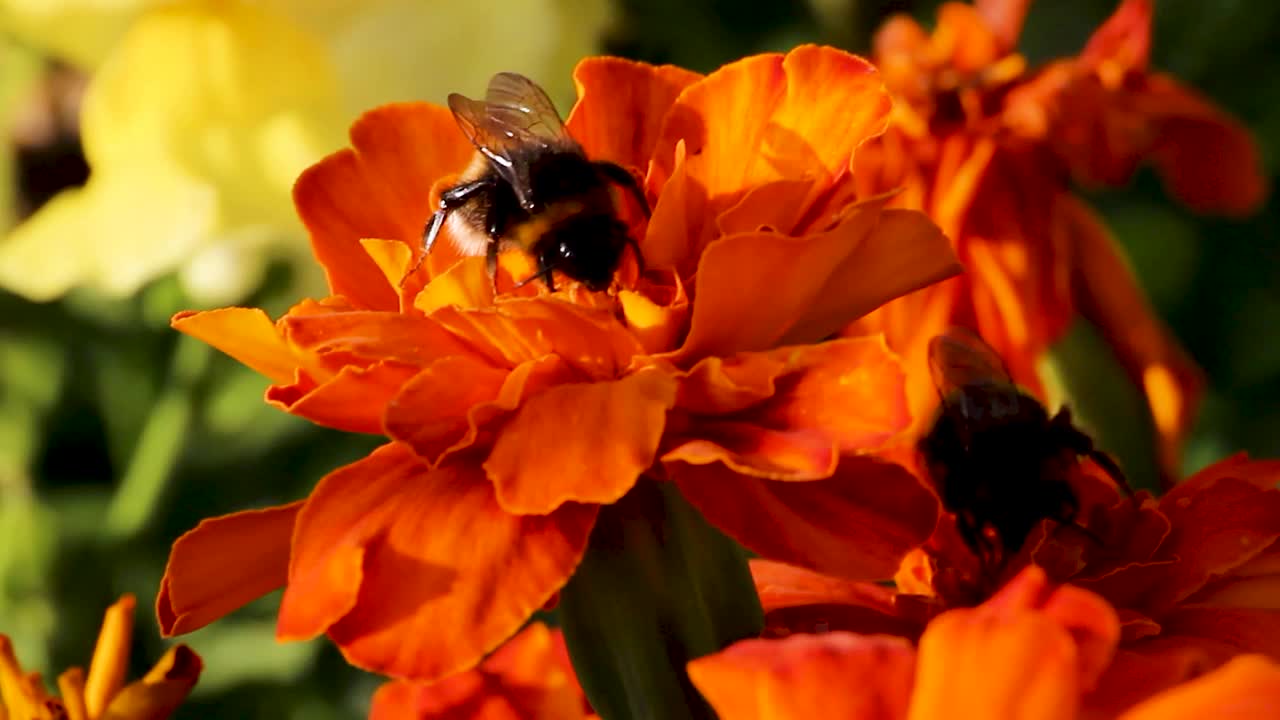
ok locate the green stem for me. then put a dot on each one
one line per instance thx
(161, 442)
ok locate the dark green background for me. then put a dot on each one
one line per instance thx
(84, 379)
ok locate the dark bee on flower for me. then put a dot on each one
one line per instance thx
(1000, 461)
(531, 187)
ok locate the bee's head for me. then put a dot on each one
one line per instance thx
(586, 248)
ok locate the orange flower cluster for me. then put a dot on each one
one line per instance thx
(769, 359)
(513, 419)
(988, 147)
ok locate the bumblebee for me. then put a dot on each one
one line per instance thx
(1000, 462)
(532, 187)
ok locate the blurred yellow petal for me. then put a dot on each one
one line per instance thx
(81, 32)
(160, 691)
(114, 234)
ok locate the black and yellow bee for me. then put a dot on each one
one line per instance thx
(1000, 462)
(531, 186)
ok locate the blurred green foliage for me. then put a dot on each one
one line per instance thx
(116, 435)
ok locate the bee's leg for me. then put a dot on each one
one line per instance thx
(451, 199)
(1082, 444)
(491, 262)
(622, 177)
(433, 230)
(544, 273)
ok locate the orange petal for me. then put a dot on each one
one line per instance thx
(858, 523)
(659, 315)
(1110, 297)
(769, 118)
(379, 189)
(621, 105)
(1244, 629)
(223, 564)
(798, 600)
(110, 656)
(1219, 523)
(246, 334)
(581, 442)
(418, 573)
(1123, 42)
(1005, 18)
(354, 400)
(1028, 652)
(1246, 688)
(840, 396)
(832, 675)
(373, 336)
(529, 677)
(159, 693)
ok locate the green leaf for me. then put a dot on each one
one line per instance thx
(658, 587)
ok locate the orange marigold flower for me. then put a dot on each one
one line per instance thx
(514, 418)
(102, 693)
(987, 148)
(1031, 651)
(529, 677)
(1192, 575)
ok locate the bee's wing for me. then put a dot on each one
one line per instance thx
(514, 121)
(966, 369)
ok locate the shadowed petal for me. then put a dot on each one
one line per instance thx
(223, 564)
(580, 442)
(529, 678)
(159, 693)
(379, 189)
(621, 104)
(799, 600)
(858, 523)
(417, 573)
(1246, 688)
(832, 675)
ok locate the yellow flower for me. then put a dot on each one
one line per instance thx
(204, 111)
(102, 692)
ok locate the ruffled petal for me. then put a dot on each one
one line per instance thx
(354, 400)
(1219, 523)
(796, 600)
(379, 189)
(772, 118)
(223, 564)
(529, 677)
(857, 524)
(1246, 688)
(581, 442)
(621, 104)
(832, 675)
(417, 573)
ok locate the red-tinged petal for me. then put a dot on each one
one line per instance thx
(528, 678)
(246, 334)
(354, 400)
(374, 336)
(1263, 473)
(430, 412)
(1123, 42)
(159, 693)
(1143, 668)
(417, 573)
(798, 600)
(772, 118)
(1246, 629)
(223, 564)
(1206, 158)
(858, 523)
(1246, 688)
(1218, 524)
(668, 243)
(832, 675)
(379, 189)
(965, 39)
(581, 442)
(621, 104)
(757, 451)
(1005, 18)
